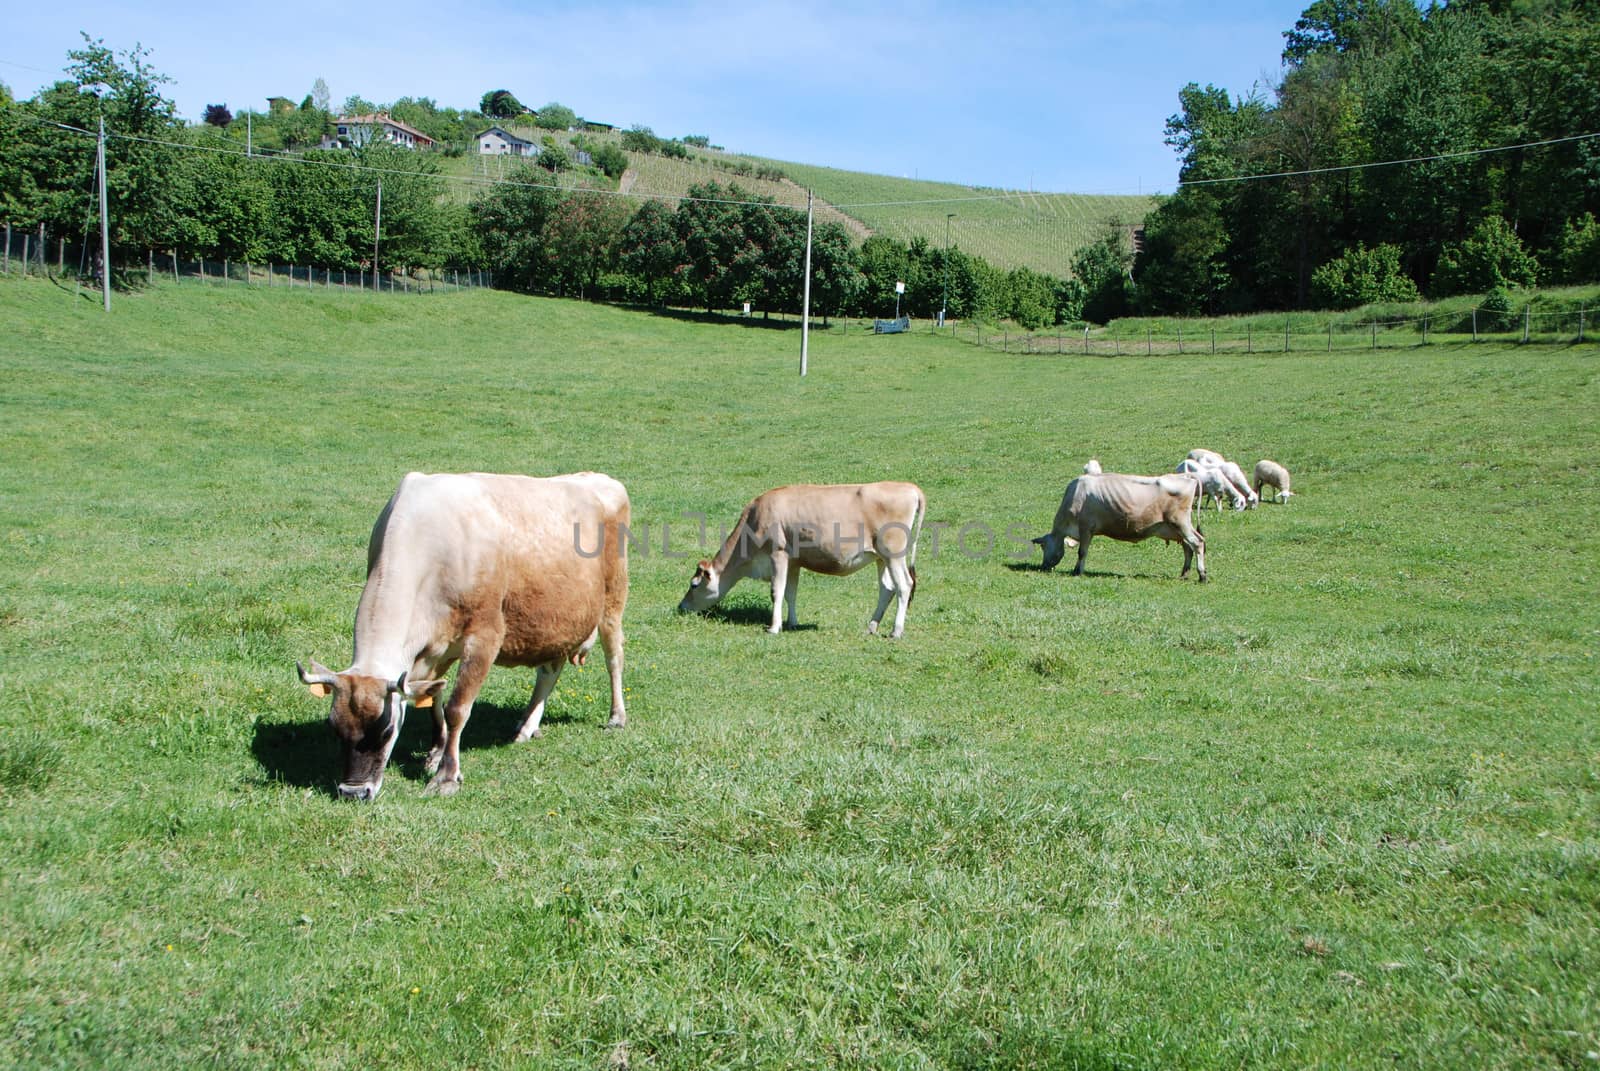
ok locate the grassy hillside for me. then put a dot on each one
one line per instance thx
(1338, 807)
(1007, 228)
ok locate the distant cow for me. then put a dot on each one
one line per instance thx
(485, 570)
(1129, 508)
(827, 528)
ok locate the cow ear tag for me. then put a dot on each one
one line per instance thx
(320, 690)
(423, 702)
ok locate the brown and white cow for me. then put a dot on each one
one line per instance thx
(833, 529)
(485, 570)
(1129, 508)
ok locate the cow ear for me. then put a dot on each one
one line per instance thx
(703, 566)
(423, 693)
(318, 681)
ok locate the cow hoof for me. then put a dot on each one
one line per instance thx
(430, 765)
(523, 738)
(443, 786)
(872, 628)
(774, 631)
(618, 721)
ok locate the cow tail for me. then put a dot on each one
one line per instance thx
(911, 551)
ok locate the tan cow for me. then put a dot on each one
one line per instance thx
(485, 570)
(833, 529)
(1129, 508)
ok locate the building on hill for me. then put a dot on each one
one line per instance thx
(279, 105)
(354, 131)
(498, 141)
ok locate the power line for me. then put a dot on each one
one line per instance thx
(1391, 163)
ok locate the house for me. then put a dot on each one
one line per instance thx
(498, 141)
(358, 130)
(279, 105)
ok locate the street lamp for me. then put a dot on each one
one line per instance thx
(944, 302)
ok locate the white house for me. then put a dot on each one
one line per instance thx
(498, 141)
(358, 130)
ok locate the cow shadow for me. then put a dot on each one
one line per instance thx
(1088, 574)
(750, 613)
(306, 754)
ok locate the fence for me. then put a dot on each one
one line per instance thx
(37, 252)
(1173, 337)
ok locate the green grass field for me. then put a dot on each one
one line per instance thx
(1338, 807)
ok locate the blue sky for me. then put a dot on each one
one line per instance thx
(1064, 97)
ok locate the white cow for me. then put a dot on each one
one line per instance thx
(485, 570)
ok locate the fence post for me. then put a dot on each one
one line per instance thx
(1374, 334)
(1527, 320)
(61, 257)
(1580, 325)
(25, 237)
(1286, 336)
(1116, 336)
(1148, 350)
(1474, 323)
(1213, 342)
(1180, 338)
(150, 270)
(1249, 339)
(202, 269)
(1330, 336)
(1424, 330)
(7, 268)
(174, 265)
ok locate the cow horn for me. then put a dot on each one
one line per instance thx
(320, 674)
(399, 685)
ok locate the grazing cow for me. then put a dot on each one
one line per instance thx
(1214, 484)
(1271, 474)
(485, 570)
(1129, 508)
(1092, 466)
(833, 529)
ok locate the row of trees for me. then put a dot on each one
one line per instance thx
(1381, 80)
(172, 186)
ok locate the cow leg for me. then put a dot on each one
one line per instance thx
(543, 685)
(430, 765)
(477, 656)
(885, 593)
(780, 583)
(1083, 553)
(900, 573)
(611, 641)
(791, 585)
(1194, 551)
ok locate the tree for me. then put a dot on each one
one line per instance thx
(1577, 255)
(552, 156)
(509, 222)
(1491, 256)
(1102, 268)
(611, 160)
(1362, 276)
(500, 104)
(321, 95)
(653, 253)
(217, 115)
(555, 116)
(582, 237)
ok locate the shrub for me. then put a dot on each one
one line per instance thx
(1491, 256)
(610, 159)
(1362, 276)
(1578, 251)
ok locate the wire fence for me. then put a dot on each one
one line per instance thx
(37, 252)
(1302, 335)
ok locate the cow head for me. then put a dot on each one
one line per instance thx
(1054, 547)
(366, 716)
(704, 589)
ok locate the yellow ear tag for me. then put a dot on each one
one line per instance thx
(423, 702)
(320, 690)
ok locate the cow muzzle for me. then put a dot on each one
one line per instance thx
(365, 791)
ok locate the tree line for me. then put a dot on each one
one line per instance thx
(189, 189)
(1386, 80)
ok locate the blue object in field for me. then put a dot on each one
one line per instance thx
(891, 327)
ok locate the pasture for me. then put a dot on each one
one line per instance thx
(1338, 807)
